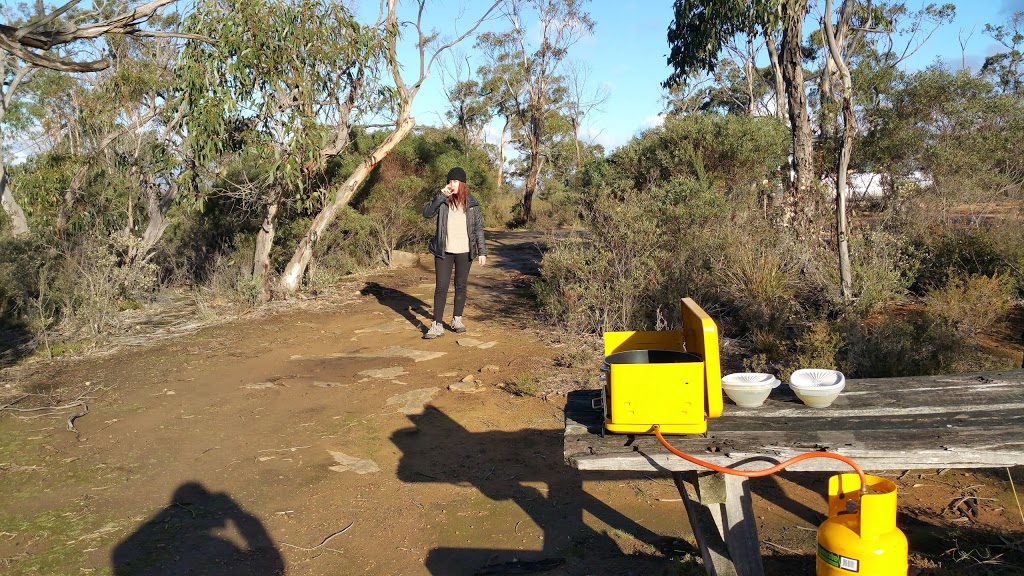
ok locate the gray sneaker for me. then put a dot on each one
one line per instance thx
(436, 331)
(458, 326)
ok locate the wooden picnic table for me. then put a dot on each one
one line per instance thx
(951, 421)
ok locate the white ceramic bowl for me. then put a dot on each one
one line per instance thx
(748, 389)
(817, 387)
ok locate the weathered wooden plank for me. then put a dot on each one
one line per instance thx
(721, 514)
(706, 526)
(969, 421)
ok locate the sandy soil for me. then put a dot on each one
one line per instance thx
(324, 436)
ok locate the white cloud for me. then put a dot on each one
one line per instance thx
(492, 134)
(652, 121)
(608, 140)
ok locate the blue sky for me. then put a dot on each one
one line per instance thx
(626, 54)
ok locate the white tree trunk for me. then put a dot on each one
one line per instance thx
(501, 154)
(846, 144)
(19, 223)
(264, 243)
(158, 203)
(781, 104)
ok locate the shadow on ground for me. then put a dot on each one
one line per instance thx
(15, 344)
(181, 539)
(405, 305)
(509, 251)
(502, 466)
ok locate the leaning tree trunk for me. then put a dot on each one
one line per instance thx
(799, 120)
(293, 272)
(19, 223)
(158, 203)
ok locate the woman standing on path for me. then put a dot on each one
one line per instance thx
(458, 240)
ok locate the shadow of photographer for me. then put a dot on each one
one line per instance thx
(190, 536)
(508, 466)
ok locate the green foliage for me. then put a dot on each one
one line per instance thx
(523, 385)
(952, 253)
(954, 126)
(661, 217)
(912, 342)
(93, 284)
(21, 260)
(885, 265)
(734, 151)
(1005, 67)
(701, 28)
(395, 216)
(279, 70)
(760, 286)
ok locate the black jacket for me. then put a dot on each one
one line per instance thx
(474, 223)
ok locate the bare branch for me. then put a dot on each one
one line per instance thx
(33, 26)
(20, 41)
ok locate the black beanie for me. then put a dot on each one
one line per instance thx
(456, 173)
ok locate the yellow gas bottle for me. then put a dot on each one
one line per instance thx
(860, 535)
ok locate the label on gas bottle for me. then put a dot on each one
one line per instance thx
(841, 562)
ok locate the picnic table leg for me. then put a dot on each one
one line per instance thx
(722, 518)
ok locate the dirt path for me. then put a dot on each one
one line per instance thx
(328, 438)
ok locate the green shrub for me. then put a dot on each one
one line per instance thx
(523, 385)
(958, 252)
(914, 344)
(760, 285)
(884, 266)
(972, 304)
(21, 260)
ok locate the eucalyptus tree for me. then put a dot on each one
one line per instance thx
(37, 41)
(501, 82)
(299, 75)
(145, 139)
(468, 105)
(1005, 67)
(296, 74)
(700, 31)
(430, 46)
(61, 39)
(860, 23)
(15, 73)
(582, 100)
(536, 60)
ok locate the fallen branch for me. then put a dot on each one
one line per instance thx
(321, 544)
(292, 449)
(76, 416)
(53, 408)
(9, 404)
(783, 548)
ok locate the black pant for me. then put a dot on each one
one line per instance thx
(443, 272)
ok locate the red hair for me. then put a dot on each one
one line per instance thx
(461, 196)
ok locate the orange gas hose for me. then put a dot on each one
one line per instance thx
(764, 472)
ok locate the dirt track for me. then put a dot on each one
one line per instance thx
(324, 439)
